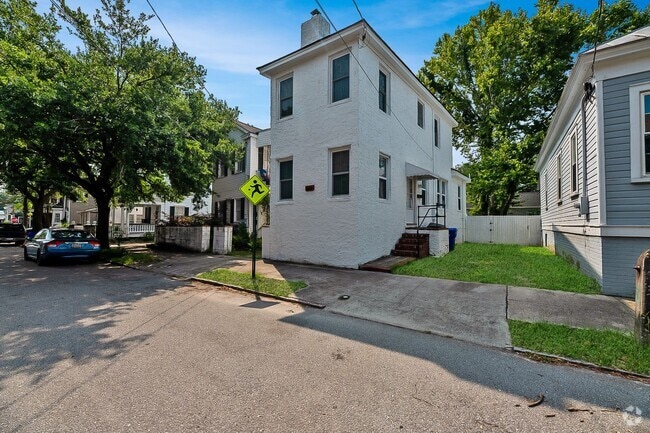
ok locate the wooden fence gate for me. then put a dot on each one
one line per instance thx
(504, 229)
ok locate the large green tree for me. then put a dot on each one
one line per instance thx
(501, 75)
(123, 117)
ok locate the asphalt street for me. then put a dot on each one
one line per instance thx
(96, 348)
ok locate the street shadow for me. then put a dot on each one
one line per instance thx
(561, 385)
(55, 318)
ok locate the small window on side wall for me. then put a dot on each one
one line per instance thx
(383, 176)
(383, 92)
(286, 97)
(286, 179)
(420, 114)
(340, 172)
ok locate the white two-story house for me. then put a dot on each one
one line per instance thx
(359, 146)
(229, 204)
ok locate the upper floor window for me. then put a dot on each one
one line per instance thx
(436, 132)
(460, 198)
(240, 166)
(574, 163)
(341, 78)
(286, 179)
(383, 92)
(341, 172)
(286, 97)
(420, 114)
(383, 176)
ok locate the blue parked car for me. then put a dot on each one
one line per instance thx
(61, 243)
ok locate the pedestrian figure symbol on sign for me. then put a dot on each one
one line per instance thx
(256, 188)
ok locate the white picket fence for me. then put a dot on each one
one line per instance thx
(504, 229)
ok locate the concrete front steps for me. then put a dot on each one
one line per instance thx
(412, 245)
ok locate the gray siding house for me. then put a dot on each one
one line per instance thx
(594, 164)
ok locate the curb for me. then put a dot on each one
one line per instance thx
(255, 292)
(580, 363)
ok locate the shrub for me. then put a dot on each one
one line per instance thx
(240, 237)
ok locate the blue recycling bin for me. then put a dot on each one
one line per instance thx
(452, 238)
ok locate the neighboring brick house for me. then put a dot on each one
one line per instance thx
(359, 147)
(594, 164)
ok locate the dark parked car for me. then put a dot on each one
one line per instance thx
(12, 233)
(61, 243)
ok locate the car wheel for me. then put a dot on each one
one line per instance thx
(39, 259)
(25, 255)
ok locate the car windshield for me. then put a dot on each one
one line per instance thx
(71, 235)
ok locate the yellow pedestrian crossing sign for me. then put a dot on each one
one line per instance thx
(254, 189)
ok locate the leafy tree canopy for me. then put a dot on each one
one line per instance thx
(501, 75)
(123, 117)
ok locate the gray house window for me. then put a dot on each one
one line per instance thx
(286, 179)
(286, 97)
(574, 163)
(341, 78)
(646, 132)
(436, 132)
(559, 178)
(420, 114)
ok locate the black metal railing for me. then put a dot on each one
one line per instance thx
(430, 216)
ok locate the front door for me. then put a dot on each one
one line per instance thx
(411, 185)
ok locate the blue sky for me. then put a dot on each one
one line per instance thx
(232, 38)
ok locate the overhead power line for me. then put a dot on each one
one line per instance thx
(392, 112)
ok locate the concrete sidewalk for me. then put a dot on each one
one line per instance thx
(471, 312)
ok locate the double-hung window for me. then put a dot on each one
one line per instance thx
(640, 132)
(420, 114)
(341, 172)
(574, 163)
(286, 97)
(286, 179)
(383, 176)
(559, 177)
(441, 194)
(383, 92)
(646, 134)
(341, 78)
(436, 132)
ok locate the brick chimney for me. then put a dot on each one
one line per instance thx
(314, 29)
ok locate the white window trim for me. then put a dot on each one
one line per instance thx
(387, 74)
(424, 114)
(436, 131)
(279, 98)
(386, 178)
(331, 174)
(330, 93)
(280, 161)
(636, 132)
(558, 169)
(573, 143)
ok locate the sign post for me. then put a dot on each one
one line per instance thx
(254, 189)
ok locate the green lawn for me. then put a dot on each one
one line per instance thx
(503, 264)
(259, 284)
(607, 348)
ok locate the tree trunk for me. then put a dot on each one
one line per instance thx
(37, 217)
(103, 220)
(26, 221)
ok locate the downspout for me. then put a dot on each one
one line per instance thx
(583, 205)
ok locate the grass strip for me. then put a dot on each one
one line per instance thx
(607, 348)
(259, 284)
(513, 265)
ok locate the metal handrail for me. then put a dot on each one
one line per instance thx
(438, 207)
